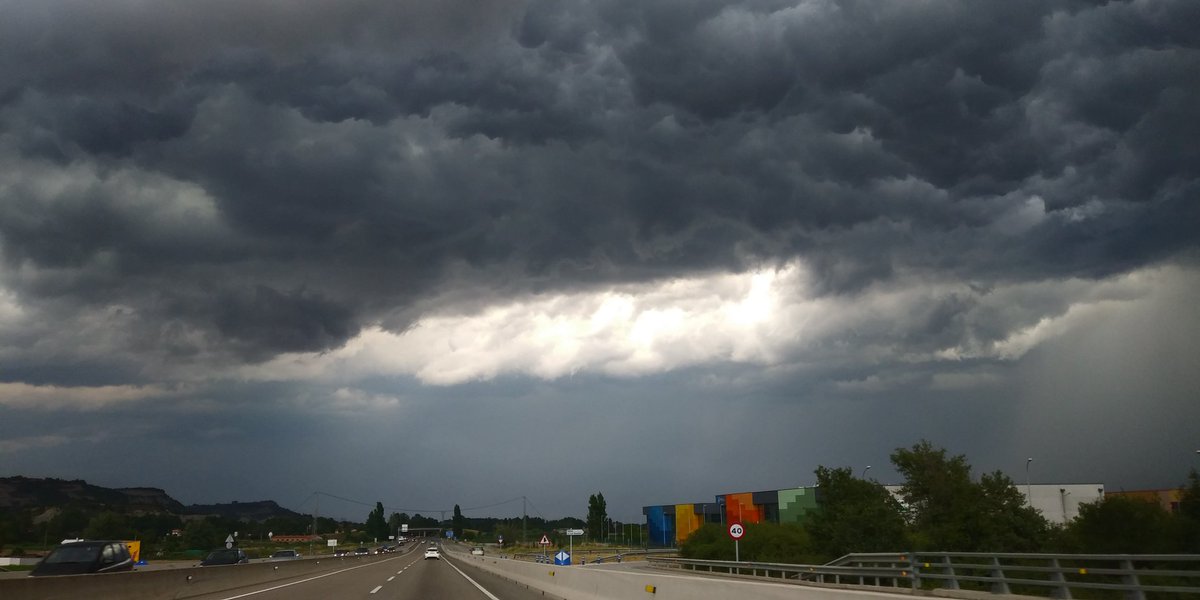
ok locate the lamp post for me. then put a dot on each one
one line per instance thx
(1028, 487)
(864, 474)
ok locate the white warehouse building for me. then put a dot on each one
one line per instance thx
(1058, 502)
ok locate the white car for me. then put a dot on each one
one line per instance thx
(432, 553)
(477, 551)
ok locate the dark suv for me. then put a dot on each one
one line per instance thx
(86, 556)
(225, 556)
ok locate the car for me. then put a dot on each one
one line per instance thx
(225, 556)
(85, 556)
(284, 555)
(432, 553)
(477, 551)
(362, 551)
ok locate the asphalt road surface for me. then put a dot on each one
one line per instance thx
(400, 576)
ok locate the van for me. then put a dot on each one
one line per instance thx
(85, 556)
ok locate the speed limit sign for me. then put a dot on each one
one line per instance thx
(736, 531)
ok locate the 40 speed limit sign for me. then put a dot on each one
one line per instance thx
(736, 531)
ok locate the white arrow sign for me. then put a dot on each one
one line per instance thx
(573, 532)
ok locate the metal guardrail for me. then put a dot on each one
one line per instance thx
(538, 557)
(1128, 576)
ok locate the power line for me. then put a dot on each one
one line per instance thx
(386, 508)
(412, 510)
(535, 509)
(493, 505)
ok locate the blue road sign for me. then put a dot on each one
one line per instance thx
(562, 558)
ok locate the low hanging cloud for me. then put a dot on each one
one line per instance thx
(50, 398)
(765, 318)
(258, 190)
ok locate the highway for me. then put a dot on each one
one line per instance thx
(399, 576)
(408, 574)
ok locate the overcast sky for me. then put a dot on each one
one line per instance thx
(445, 252)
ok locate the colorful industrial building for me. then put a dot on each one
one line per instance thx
(670, 524)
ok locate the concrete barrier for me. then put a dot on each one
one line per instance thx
(583, 583)
(172, 584)
(10, 561)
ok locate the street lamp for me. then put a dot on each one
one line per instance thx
(1028, 488)
(864, 475)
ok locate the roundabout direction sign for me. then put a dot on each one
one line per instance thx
(736, 531)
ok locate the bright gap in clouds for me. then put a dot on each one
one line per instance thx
(630, 331)
(766, 317)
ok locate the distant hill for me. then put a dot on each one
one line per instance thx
(41, 494)
(243, 511)
(27, 492)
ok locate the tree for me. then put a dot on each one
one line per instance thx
(764, 542)
(67, 523)
(856, 516)
(15, 526)
(394, 522)
(1005, 521)
(939, 497)
(776, 543)
(107, 525)
(1121, 525)
(153, 527)
(1188, 519)
(458, 523)
(948, 511)
(596, 516)
(709, 542)
(204, 534)
(376, 527)
(1189, 497)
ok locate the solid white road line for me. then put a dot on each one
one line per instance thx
(468, 578)
(271, 589)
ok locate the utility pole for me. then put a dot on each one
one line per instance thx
(1028, 488)
(316, 510)
(524, 519)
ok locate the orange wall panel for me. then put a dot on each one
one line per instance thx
(741, 508)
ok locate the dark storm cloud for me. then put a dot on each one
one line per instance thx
(358, 157)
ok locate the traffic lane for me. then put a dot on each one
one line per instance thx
(450, 578)
(397, 578)
(503, 589)
(346, 582)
